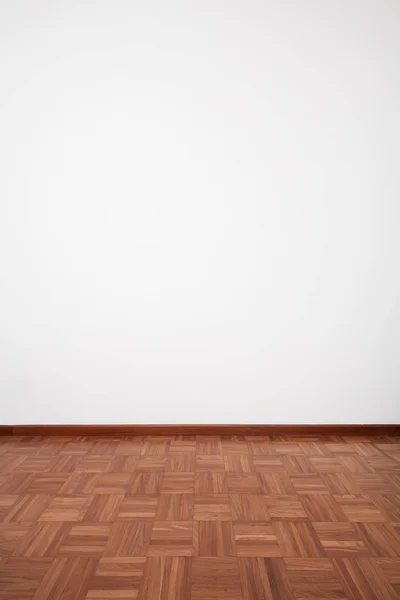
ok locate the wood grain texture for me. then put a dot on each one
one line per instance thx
(341, 539)
(117, 578)
(103, 508)
(175, 507)
(256, 539)
(362, 579)
(314, 578)
(221, 516)
(173, 538)
(214, 578)
(211, 482)
(66, 578)
(166, 578)
(129, 539)
(215, 538)
(178, 483)
(297, 539)
(43, 540)
(11, 537)
(390, 568)
(265, 579)
(249, 507)
(21, 577)
(212, 508)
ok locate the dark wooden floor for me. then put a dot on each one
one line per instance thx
(199, 518)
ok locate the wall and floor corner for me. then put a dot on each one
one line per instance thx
(199, 209)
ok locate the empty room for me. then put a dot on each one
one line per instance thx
(199, 300)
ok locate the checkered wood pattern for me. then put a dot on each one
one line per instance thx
(206, 518)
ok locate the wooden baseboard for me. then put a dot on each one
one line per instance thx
(116, 430)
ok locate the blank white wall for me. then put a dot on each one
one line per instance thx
(199, 211)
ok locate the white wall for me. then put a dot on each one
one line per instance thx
(199, 208)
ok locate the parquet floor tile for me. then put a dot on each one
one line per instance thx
(212, 508)
(173, 538)
(391, 570)
(305, 483)
(215, 538)
(362, 579)
(323, 508)
(16, 483)
(113, 483)
(359, 509)
(129, 538)
(123, 464)
(153, 447)
(62, 508)
(212, 482)
(389, 506)
(256, 539)
(28, 508)
(260, 446)
(6, 502)
(355, 464)
(208, 446)
(143, 508)
(48, 483)
(43, 540)
(67, 578)
(130, 449)
(20, 578)
(365, 448)
(175, 507)
(79, 484)
(146, 482)
(297, 464)
(85, 540)
(383, 463)
(214, 578)
(11, 535)
(314, 578)
(381, 538)
(375, 483)
(341, 539)
(165, 578)
(65, 464)
(341, 448)
(102, 508)
(200, 518)
(265, 579)
(235, 445)
(297, 539)
(93, 464)
(312, 447)
(35, 464)
(118, 578)
(283, 506)
(268, 463)
(238, 463)
(151, 463)
(285, 447)
(181, 462)
(276, 483)
(340, 483)
(249, 507)
(246, 483)
(178, 483)
(324, 464)
(209, 463)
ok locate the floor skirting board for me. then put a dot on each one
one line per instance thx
(249, 430)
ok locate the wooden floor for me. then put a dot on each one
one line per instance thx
(204, 518)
